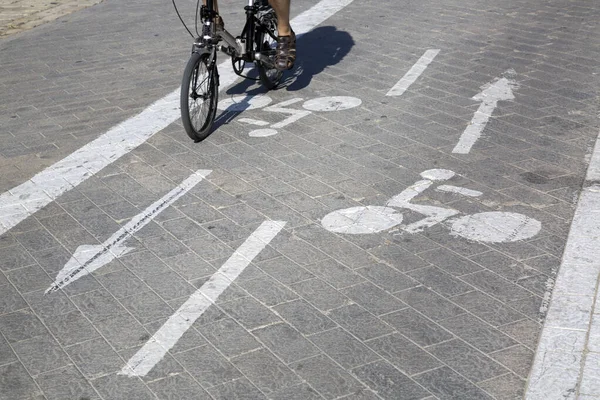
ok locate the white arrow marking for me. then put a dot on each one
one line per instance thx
(88, 258)
(168, 335)
(502, 89)
(22, 201)
(411, 76)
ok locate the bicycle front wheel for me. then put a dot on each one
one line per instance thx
(199, 96)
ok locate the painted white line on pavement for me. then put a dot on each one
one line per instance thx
(413, 74)
(88, 258)
(489, 96)
(566, 352)
(22, 201)
(168, 335)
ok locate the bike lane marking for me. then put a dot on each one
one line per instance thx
(88, 258)
(568, 353)
(168, 335)
(491, 93)
(22, 201)
(413, 74)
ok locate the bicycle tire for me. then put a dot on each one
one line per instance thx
(199, 96)
(265, 44)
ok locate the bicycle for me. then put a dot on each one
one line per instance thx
(200, 85)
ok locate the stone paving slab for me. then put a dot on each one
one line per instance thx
(317, 314)
(20, 15)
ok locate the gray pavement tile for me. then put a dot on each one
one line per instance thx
(506, 387)
(122, 283)
(16, 384)
(184, 228)
(403, 354)
(343, 348)
(98, 305)
(41, 354)
(359, 322)
(249, 313)
(207, 366)
(122, 331)
(117, 387)
(164, 246)
(304, 317)
(417, 328)
(525, 331)
(29, 279)
(429, 303)
(496, 286)
(390, 383)
(373, 299)
(447, 384)
(478, 334)
(7, 355)
(320, 294)
(387, 278)
(146, 307)
(265, 371)
(467, 361)
(21, 325)
(326, 377)
(144, 264)
(178, 387)
(39, 239)
(210, 248)
(285, 342)
(486, 308)
(190, 266)
(10, 299)
(229, 337)
(300, 392)
(52, 260)
(284, 270)
(450, 262)
(169, 285)
(267, 290)
(95, 358)
(335, 273)
(528, 306)
(398, 258)
(240, 389)
(15, 257)
(439, 281)
(47, 307)
(518, 358)
(300, 251)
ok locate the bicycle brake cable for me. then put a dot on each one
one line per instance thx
(181, 19)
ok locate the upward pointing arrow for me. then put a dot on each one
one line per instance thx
(491, 94)
(88, 258)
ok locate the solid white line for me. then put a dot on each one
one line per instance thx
(168, 335)
(22, 201)
(560, 362)
(88, 258)
(411, 76)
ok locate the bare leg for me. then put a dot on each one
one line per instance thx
(282, 9)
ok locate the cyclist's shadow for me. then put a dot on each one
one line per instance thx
(318, 49)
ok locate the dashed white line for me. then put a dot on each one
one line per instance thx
(168, 335)
(413, 74)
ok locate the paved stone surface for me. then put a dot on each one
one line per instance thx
(317, 314)
(20, 15)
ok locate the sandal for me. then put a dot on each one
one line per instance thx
(285, 55)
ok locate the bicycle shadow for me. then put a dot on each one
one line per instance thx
(318, 49)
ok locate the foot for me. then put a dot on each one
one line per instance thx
(285, 55)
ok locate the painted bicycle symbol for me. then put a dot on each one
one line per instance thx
(492, 227)
(320, 104)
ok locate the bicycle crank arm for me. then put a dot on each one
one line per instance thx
(265, 60)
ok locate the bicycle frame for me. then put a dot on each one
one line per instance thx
(239, 48)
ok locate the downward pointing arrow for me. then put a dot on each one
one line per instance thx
(501, 89)
(88, 258)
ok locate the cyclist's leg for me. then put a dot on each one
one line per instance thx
(286, 42)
